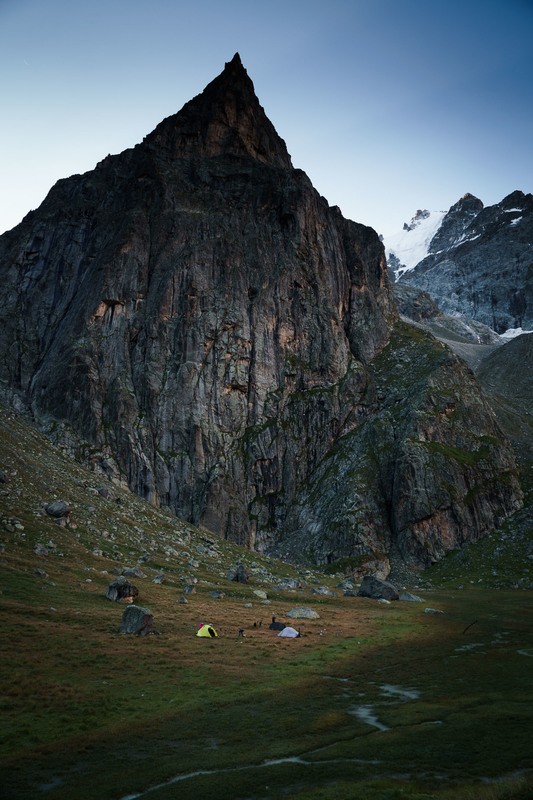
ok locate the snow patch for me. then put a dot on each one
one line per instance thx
(511, 333)
(411, 245)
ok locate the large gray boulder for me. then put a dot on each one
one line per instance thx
(302, 612)
(121, 590)
(137, 620)
(57, 509)
(377, 589)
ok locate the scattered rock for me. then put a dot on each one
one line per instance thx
(159, 579)
(105, 491)
(122, 590)
(41, 573)
(260, 593)
(433, 611)
(58, 509)
(239, 574)
(137, 620)
(412, 598)
(347, 583)
(41, 550)
(289, 583)
(3, 476)
(133, 572)
(377, 589)
(12, 524)
(302, 612)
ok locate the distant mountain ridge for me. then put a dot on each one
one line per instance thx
(474, 261)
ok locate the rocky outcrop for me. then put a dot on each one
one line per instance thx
(454, 226)
(425, 471)
(479, 263)
(507, 380)
(201, 316)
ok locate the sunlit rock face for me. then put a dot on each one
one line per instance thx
(196, 311)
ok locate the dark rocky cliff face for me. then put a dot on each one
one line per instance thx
(480, 262)
(200, 315)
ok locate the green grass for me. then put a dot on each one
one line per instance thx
(111, 715)
(87, 711)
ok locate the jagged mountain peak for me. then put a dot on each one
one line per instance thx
(467, 201)
(226, 118)
(516, 198)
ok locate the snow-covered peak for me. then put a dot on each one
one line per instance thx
(411, 245)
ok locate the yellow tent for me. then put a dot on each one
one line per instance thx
(206, 630)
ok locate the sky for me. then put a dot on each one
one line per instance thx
(389, 106)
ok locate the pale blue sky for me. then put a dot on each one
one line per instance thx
(388, 105)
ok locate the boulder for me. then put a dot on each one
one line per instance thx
(377, 589)
(58, 509)
(302, 612)
(412, 598)
(137, 620)
(121, 589)
(239, 574)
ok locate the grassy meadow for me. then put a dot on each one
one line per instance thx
(376, 701)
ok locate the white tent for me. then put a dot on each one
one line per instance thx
(291, 633)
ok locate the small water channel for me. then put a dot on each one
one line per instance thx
(365, 713)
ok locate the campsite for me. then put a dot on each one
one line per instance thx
(374, 700)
